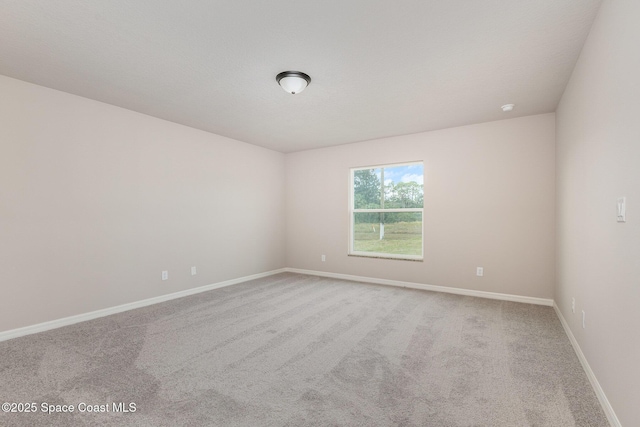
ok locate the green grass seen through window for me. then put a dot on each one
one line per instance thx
(400, 238)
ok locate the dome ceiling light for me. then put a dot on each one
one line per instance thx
(293, 81)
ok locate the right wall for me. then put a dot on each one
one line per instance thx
(598, 161)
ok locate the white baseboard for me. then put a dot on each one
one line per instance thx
(58, 323)
(458, 291)
(604, 402)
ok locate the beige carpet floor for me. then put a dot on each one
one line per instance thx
(296, 350)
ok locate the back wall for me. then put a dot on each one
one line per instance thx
(489, 196)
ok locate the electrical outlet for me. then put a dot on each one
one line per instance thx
(165, 275)
(583, 316)
(480, 271)
(324, 258)
(573, 305)
(193, 271)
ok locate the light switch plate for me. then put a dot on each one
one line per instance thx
(622, 208)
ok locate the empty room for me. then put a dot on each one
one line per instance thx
(354, 213)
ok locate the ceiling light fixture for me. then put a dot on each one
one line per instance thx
(293, 81)
(508, 107)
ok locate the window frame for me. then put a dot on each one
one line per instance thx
(353, 211)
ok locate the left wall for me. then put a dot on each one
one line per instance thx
(96, 201)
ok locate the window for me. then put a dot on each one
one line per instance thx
(385, 208)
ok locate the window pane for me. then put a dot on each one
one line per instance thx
(403, 186)
(398, 233)
(367, 189)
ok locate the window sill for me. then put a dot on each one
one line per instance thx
(380, 256)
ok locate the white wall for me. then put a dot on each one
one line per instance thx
(489, 201)
(598, 160)
(96, 200)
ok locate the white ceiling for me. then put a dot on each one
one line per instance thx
(378, 68)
